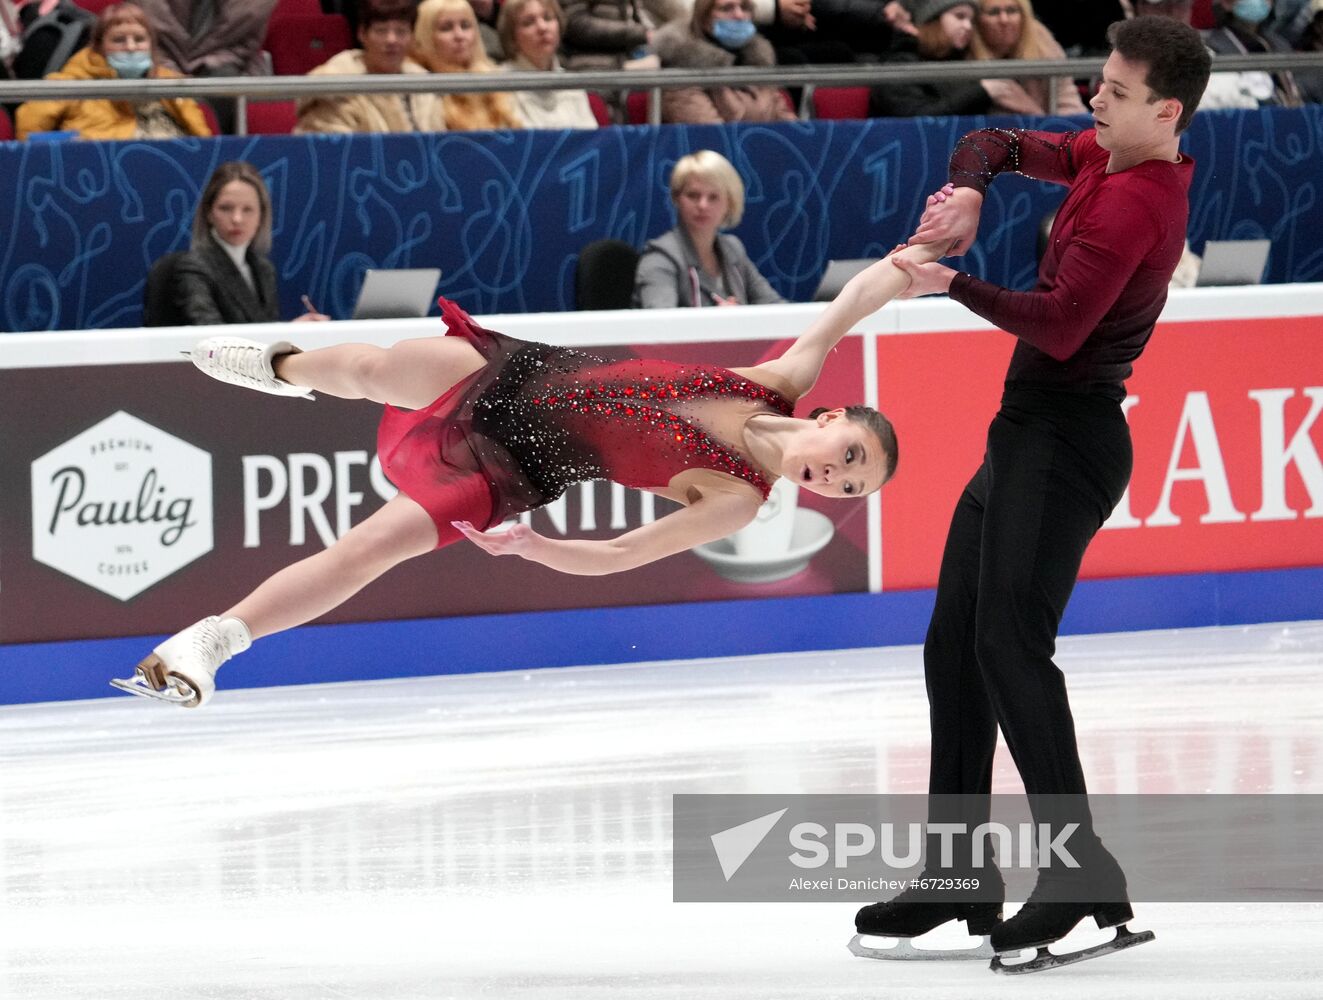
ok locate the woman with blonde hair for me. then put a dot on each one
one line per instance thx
(445, 40)
(695, 264)
(530, 32)
(1007, 29)
(123, 47)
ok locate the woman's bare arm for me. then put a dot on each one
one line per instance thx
(864, 294)
(712, 516)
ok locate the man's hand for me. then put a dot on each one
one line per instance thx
(519, 540)
(796, 14)
(925, 279)
(951, 216)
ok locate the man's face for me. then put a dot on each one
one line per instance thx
(1125, 111)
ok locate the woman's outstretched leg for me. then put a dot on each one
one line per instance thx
(183, 669)
(410, 374)
(313, 586)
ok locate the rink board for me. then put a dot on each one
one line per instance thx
(146, 496)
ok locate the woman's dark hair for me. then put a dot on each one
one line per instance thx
(372, 11)
(1177, 59)
(234, 170)
(881, 428)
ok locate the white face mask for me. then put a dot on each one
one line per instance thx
(130, 65)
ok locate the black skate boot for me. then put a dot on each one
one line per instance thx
(1059, 902)
(919, 910)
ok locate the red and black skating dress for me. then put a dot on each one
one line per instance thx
(538, 419)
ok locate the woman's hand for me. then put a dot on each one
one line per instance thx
(951, 216)
(519, 540)
(311, 317)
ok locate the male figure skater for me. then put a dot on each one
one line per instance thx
(1058, 460)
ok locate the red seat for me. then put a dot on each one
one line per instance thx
(6, 126)
(272, 117)
(95, 6)
(303, 42)
(840, 102)
(636, 107)
(601, 111)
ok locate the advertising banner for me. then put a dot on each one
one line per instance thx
(1226, 417)
(149, 495)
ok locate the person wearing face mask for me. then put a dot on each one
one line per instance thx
(1241, 30)
(446, 40)
(123, 47)
(227, 276)
(530, 34)
(945, 33)
(718, 34)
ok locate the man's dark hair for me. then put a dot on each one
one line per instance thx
(372, 11)
(1177, 59)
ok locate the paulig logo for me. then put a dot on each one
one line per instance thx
(121, 506)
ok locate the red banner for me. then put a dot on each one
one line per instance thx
(1227, 422)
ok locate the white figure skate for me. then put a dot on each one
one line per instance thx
(182, 670)
(246, 363)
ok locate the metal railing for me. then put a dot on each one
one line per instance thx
(279, 88)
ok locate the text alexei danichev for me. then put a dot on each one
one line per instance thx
(878, 884)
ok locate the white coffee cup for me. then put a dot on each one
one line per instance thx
(770, 533)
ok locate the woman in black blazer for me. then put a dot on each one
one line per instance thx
(227, 276)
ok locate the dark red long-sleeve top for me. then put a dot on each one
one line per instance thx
(1103, 279)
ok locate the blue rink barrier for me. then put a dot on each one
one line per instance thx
(61, 671)
(506, 214)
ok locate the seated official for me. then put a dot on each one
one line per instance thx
(227, 275)
(123, 47)
(695, 264)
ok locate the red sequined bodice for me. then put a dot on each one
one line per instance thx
(538, 419)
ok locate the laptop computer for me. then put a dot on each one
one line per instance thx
(396, 293)
(837, 274)
(1233, 262)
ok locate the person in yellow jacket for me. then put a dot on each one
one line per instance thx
(123, 47)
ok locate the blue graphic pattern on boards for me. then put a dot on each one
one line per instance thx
(504, 214)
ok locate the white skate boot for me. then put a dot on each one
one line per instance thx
(182, 670)
(246, 363)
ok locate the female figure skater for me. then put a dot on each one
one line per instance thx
(496, 426)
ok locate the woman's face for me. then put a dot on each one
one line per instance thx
(835, 456)
(958, 26)
(702, 206)
(537, 34)
(127, 36)
(454, 37)
(385, 44)
(1000, 22)
(728, 10)
(236, 213)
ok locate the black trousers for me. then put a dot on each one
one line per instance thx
(1057, 463)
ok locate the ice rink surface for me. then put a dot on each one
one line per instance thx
(508, 835)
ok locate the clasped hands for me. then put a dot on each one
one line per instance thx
(950, 216)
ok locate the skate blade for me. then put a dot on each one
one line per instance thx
(1044, 960)
(904, 951)
(151, 681)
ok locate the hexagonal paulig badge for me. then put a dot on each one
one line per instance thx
(121, 506)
